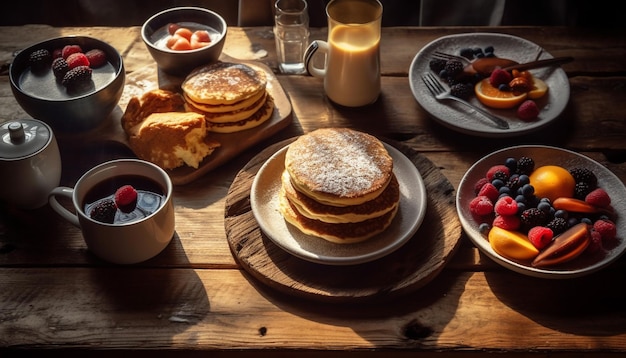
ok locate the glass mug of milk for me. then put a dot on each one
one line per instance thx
(351, 69)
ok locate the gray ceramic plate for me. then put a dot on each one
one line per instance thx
(264, 203)
(459, 117)
(544, 155)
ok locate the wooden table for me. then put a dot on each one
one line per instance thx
(195, 299)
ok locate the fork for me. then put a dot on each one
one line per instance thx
(440, 92)
(447, 56)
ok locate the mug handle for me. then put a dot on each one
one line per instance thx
(62, 211)
(308, 56)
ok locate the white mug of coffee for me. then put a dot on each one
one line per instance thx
(351, 70)
(121, 234)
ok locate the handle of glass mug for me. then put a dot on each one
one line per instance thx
(62, 211)
(308, 57)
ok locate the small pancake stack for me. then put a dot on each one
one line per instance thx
(338, 184)
(231, 96)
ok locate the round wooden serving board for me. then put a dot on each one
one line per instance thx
(410, 267)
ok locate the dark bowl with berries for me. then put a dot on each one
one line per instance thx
(544, 211)
(72, 83)
(183, 38)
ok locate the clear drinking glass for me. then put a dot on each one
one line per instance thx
(291, 31)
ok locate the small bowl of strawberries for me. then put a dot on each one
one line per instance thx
(72, 83)
(183, 38)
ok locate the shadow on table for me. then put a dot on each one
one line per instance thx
(582, 306)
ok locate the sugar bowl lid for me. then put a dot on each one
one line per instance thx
(23, 138)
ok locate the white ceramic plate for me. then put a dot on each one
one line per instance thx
(264, 203)
(544, 155)
(461, 118)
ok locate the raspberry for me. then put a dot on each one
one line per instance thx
(481, 205)
(506, 205)
(479, 184)
(104, 211)
(595, 243)
(599, 198)
(540, 236)
(489, 191)
(126, 198)
(606, 228)
(77, 77)
(57, 52)
(70, 49)
(77, 59)
(507, 222)
(499, 77)
(40, 59)
(528, 110)
(96, 58)
(59, 67)
(492, 172)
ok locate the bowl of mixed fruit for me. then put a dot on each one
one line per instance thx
(544, 211)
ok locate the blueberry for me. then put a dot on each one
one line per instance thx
(544, 206)
(511, 163)
(467, 53)
(498, 183)
(524, 179)
(561, 214)
(528, 190)
(484, 228)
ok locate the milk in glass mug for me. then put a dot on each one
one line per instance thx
(351, 70)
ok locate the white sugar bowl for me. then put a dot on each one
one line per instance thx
(30, 163)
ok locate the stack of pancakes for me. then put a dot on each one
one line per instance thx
(338, 184)
(231, 96)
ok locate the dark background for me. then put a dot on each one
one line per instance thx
(597, 13)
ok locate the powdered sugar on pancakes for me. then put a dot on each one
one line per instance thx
(339, 166)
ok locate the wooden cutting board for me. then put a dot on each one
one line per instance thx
(410, 267)
(149, 78)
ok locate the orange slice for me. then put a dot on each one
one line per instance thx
(494, 98)
(511, 244)
(540, 88)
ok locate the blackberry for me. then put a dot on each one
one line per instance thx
(453, 68)
(40, 59)
(584, 175)
(437, 65)
(514, 183)
(581, 189)
(60, 68)
(462, 90)
(104, 211)
(557, 225)
(77, 77)
(525, 165)
(499, 174)
(533, 217)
